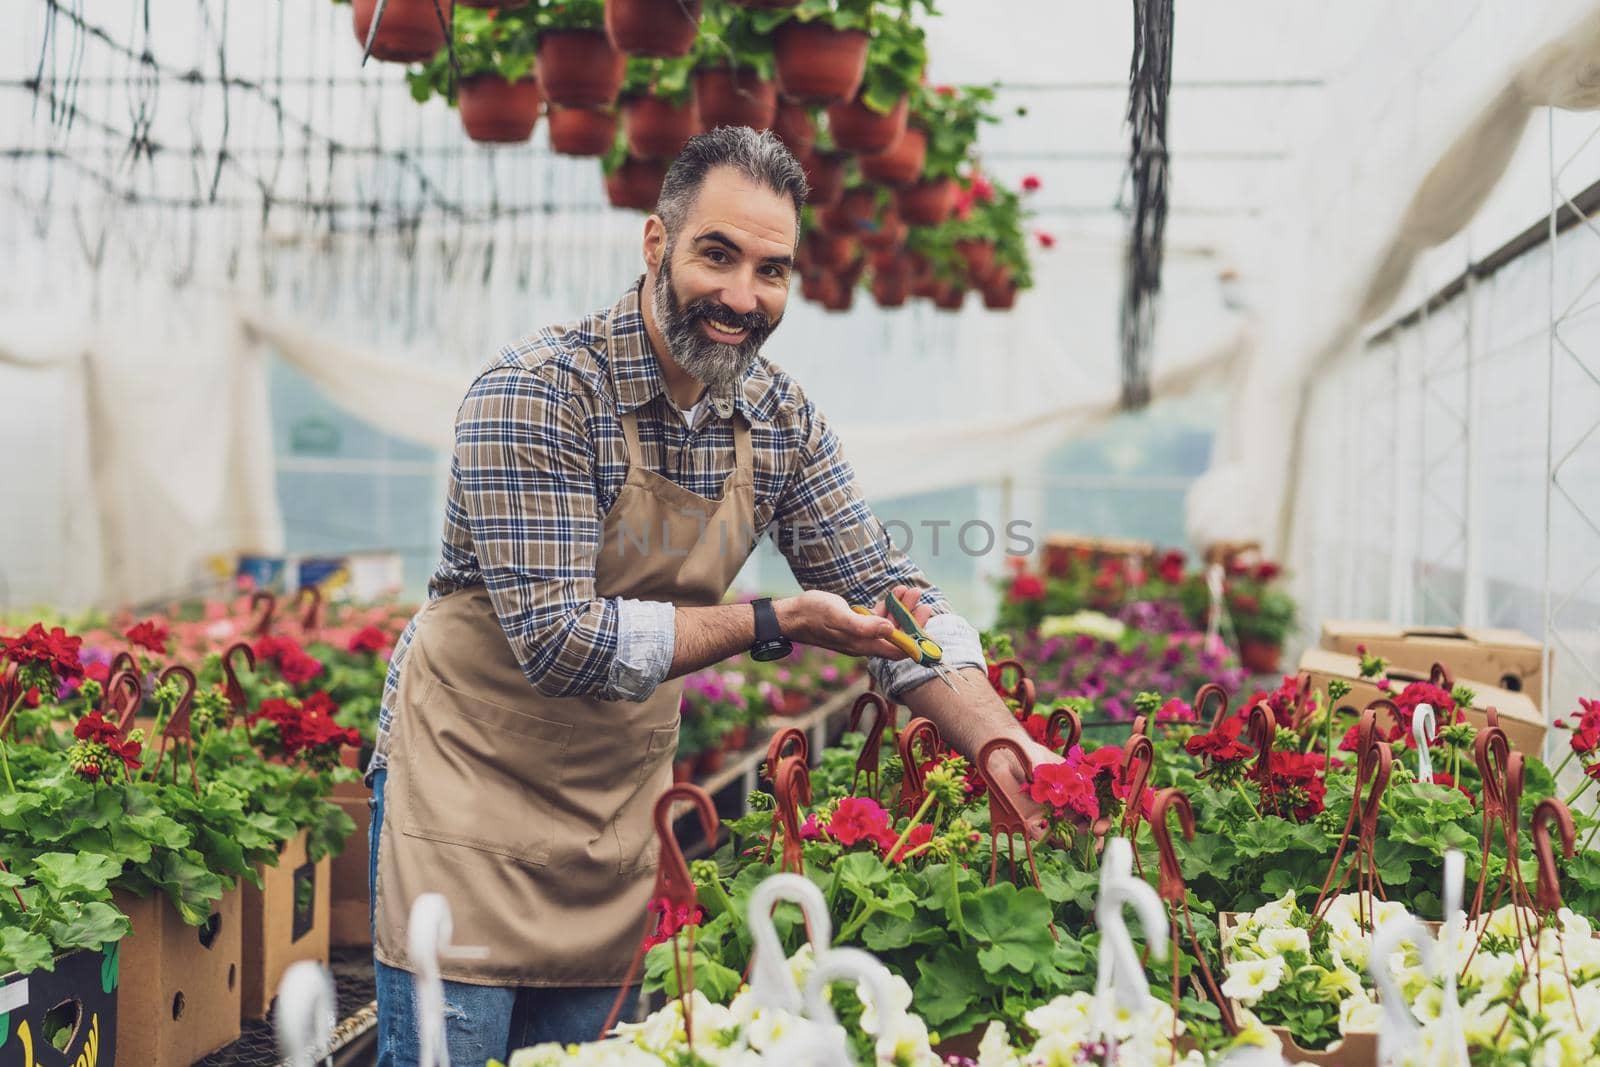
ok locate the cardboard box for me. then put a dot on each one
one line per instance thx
(80, 995)
(182, 1002)
(1522, 721)
(1509, 659)
(285, 921)
(351, 911)
(1059, 548)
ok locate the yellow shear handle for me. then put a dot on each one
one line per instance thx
(924, 649)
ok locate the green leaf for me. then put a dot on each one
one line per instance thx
(89, 925)
(1013, 926)
(22, 950)
(64, 872)
(948, 986)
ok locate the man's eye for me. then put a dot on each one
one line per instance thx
(717, 255)
(772, 270)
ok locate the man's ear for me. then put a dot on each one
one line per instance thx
(655, 242)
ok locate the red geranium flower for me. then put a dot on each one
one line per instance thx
(1027, 587)
(55, 650)
(670, 919)
(1447, 780)
(1295, 788)
(368, 639)
(920, 835)
(1031, 183)
(857, 819)
(1265, 572)
(1170, 566)
(1045, 240)
(1444, 710)
(1284, 701)
(1065, 790)
(148, 634)
(1221, 745)
(1175, 710)
(94, 727)
(1587, 736)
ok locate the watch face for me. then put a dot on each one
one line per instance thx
(768, 651)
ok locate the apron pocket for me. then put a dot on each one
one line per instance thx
(483, 775)
(634, 826)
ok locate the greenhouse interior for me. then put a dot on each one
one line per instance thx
(1023, 534)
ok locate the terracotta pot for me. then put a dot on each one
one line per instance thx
(850, 276)
(1001, 295)
(818, 64)
(636, 184)
(889, 291)
(581, 131)
(495, 111)
(657, 128)
(835, 220)
(682, 771)
(812, 286)
(409, 32)
(979, 256)
(579, 68)
(1259, 656)
(653, 27)
(825, 176)
(926, 203)
(840, 298)
(830, 251)
(902, 163)
(795, 127)
(858, 128)
(728, 97)
(860, 204)
(925, 288)
(950, 297)
(889, 261)
(889, 233)
(792, 702)
(737, 739)
(708, 762)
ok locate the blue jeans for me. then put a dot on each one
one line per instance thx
(481, 1022)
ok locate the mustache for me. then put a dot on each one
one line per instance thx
(706, 308)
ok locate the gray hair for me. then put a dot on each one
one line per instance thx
(761, 157)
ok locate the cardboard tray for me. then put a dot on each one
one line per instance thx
(283, 922)
(350, 923)
(1509, 659)
(183, 1003)
(1522, 721)
(81, 992)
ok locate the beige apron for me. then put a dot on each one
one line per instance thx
(532, 814)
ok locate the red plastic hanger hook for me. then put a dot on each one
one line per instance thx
(1302, 703)
(1171, 885)
(912, 790)
(674, 883)
(311, 616)
(1138, 760)
(123, 661)
(793, 786)
(1208, 692)
(787, 739)
(268, 603)
(1004, 818)
(1053, 735)
(238, 702)
(1551, 812)
(1388, 707)
(998, 670)
(1512, 789)
(1263, 726)
(178, 725)
(1439, 676)
(1382, 767)
(123, 698)
(871, 749)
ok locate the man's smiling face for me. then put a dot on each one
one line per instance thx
(720, 283)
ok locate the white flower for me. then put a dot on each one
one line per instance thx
(1250, 980)
(1493, 971)
(1359, 1015)
(801, 964)
(906, 1043)
(900, 998)
(1481, 1019)
(1082, 622)
(1284, 940)
(1340, 983)
(1273, 914)
(995, 1048)
(1067, 1016)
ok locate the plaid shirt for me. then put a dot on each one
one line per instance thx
(539, 461)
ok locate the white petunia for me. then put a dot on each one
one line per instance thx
(1359, 1015)
(1283, 940)
(900, 998)
(1250, 980)
(994, 1050)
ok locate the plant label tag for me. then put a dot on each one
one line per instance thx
(14, 996)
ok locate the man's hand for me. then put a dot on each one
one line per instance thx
(824, 619)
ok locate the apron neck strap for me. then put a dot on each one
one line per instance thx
(741, 440)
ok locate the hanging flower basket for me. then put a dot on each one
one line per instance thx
(901, 164)
(636, 183)
(818, 64)
(836, 221)
(891, 260)
(814, 285)
(795, 127)
(888, 236)
(1259, 656)
(839, 296)
(831, 252)
(978, 254)
(410, 31)
(1000, 291)
(657, 128)
(579, 68)
(496, 111)
(859, 128)
(926, 203)
(581, 131)
(653, 27)
(825, 176)
(729, 97)
(949, 296)
(889, 291)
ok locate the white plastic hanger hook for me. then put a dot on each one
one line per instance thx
(826, 1041)
(772, 984)
(1423, 725)
(1214, 585)
(428, 936)
(1120, 976)
(304, 1014)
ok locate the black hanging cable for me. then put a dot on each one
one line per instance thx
(1149, 85)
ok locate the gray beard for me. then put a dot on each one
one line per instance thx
(714, 364)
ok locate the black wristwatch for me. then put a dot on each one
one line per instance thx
(770, 643)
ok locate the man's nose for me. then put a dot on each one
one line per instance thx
(740, 295)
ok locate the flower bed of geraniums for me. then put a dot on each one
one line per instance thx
(1273, 785)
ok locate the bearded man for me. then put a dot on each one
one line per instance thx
(610, 477)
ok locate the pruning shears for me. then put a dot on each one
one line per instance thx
(912, 639)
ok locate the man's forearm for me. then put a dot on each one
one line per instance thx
(970, 716)
(703, 636)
